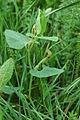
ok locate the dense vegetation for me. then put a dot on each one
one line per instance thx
(39, 59)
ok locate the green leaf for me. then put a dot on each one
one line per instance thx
(53, 38)
(47, 11)
(46, 72)
(41, 23)
(6, 71)
(9, 90)
(38, 24)
(16, 40)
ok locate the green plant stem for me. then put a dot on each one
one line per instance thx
(43, 60)
(30, 84)
(29, 58)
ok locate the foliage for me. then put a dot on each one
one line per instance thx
(16, 40)
(6, 71)
(44, 36)
(46, 72)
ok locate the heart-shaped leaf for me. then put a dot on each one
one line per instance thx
(46, 72)
(6, 71)
(16, 40)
